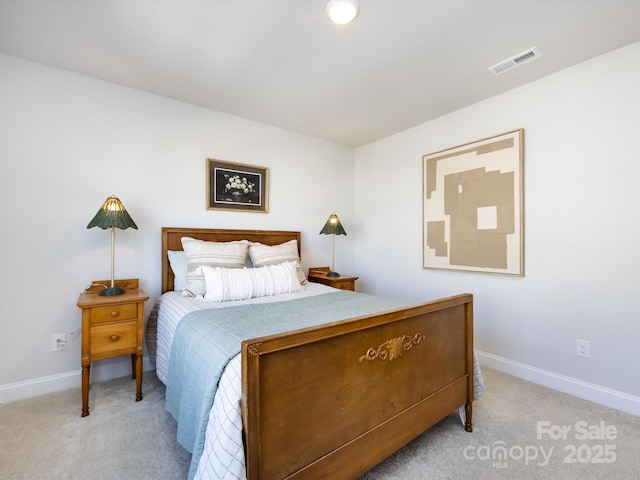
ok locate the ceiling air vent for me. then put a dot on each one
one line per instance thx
(515, 61)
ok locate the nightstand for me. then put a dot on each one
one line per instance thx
(343, 282)
(112, 326)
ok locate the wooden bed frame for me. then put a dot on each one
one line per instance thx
(334, 401)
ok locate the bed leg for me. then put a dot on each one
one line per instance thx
(468, 410)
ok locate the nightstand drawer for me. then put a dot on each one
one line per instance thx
(113, 337)
(343, 284)
(114, 313)
(321, 275)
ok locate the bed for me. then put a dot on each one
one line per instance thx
(329, 400)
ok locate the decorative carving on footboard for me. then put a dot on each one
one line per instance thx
(254, 349)
(393, 348)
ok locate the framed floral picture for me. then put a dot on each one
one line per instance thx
(235, 186)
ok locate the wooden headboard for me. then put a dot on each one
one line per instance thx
(171, 240)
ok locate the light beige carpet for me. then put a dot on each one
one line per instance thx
(45, 438)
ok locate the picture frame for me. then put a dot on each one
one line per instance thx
(237, 186)
(473, 212)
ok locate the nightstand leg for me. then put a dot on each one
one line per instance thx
(85, 389)
(133, 365)
(138, 374)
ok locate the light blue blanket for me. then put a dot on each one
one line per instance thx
(206, 340)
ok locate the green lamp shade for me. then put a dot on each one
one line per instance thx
(333, 226)
(112, 214)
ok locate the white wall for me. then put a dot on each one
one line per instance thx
(582, 170)
(68, 142)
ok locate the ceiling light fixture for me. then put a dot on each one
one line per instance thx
(343, 11)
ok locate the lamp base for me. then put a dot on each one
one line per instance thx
(333, 274)
(109, 291)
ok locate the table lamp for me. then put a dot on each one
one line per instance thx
(333, 227)
(112, 214)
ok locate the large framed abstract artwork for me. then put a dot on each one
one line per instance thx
(473, 217)
(235, 186)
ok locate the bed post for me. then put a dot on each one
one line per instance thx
(468, 425)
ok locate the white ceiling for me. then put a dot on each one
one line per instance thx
(283, 63)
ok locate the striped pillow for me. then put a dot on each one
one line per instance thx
(263, 255)
(213, 254)
(225, 284)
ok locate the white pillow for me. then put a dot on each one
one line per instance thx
(178, 262)
(225, 284)
(262, 255)
(213, 254)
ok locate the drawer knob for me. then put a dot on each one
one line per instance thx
(114, 313)
(114, 338)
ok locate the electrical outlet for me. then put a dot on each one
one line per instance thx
(583, 348)
(58, 342)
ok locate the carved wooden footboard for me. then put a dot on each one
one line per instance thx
(333, 401)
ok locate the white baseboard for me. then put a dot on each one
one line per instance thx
(100, 372)
(587, 391)
(120, 367)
